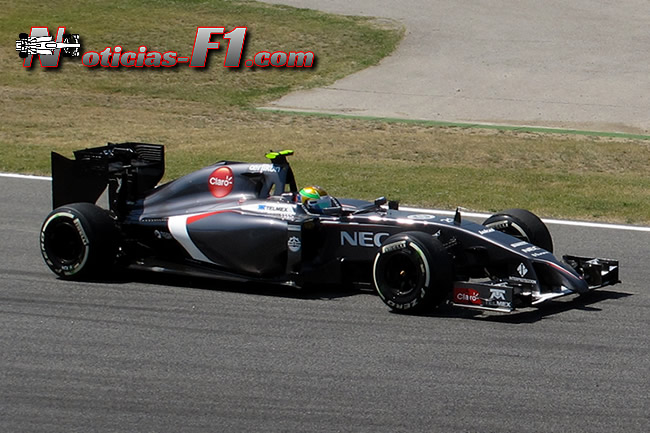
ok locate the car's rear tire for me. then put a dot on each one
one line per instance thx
(412, 272)
(523, 225)
(79, 241)
(23, 35)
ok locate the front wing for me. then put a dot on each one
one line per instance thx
(506, 296)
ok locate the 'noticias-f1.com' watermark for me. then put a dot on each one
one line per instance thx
(49, 49)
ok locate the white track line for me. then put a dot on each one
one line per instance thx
(547, 221)
(440, 212)
(25, 176)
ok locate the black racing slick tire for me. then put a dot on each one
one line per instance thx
(79, 241)
(523, 225)
(412, 272)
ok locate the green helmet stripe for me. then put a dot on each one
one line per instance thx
(309, 194)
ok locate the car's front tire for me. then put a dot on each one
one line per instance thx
(412, 272)
(79, 241)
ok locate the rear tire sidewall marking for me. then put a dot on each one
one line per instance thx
(56, 264)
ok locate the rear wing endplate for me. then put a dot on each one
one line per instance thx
(128, 169)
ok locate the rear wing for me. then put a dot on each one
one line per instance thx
(128, 169)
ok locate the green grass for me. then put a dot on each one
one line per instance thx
(206, 115)
(342, 45)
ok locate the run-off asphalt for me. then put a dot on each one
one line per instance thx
(581, 64)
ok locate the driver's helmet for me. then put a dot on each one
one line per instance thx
(314, 198)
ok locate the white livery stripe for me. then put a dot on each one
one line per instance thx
(178, 228)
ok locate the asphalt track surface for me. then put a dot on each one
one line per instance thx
(151, 355)
(581, 64)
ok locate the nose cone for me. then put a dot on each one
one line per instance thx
(580, 285)
(573, 279)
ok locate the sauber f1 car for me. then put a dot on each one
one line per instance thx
(243, 221)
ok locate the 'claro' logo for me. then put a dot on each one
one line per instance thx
(467, 296)
(221, 182)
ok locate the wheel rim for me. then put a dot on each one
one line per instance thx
(63, 243)
(401, 276)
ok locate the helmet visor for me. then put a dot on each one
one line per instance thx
(320, 203)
